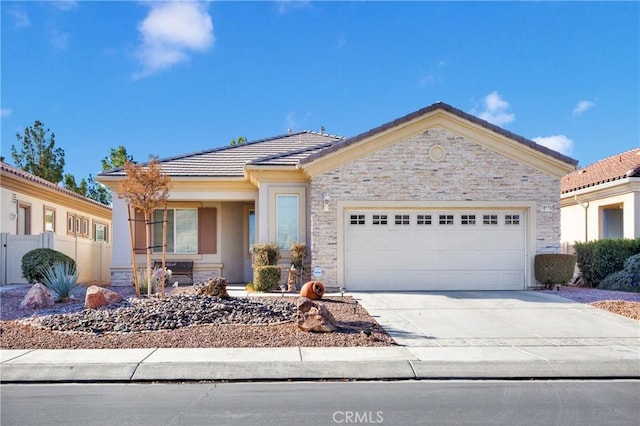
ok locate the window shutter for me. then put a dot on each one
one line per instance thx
(140, 234)
(207, 232)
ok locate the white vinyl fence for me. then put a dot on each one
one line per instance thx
(93, 258)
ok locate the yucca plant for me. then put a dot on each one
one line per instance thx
(60, 278)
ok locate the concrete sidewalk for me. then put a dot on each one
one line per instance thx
(447, 335)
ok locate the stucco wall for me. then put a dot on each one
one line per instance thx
(404, 172)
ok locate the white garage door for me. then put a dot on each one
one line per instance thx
(434, 250)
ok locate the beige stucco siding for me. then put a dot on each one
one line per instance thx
(470, 174)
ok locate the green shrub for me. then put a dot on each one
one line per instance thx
(298, 255)
(34, 261)
(266, 277)
(554, 268)
(626, 280)
(61, 278)
(598, 259)
(265, 254)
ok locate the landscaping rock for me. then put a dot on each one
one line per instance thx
(100, 296)
(215, 287)
(314, 317)
(38, 297)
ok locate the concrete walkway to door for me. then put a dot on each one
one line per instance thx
(501, 328)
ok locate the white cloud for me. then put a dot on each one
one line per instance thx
(64, 4)
(5, 112)
(583, 106)
(170, 32)
(59, 40)
(286, 5)
(425, 80)
(495, 110)
(20, 18)
(294, 122)
(559, 143)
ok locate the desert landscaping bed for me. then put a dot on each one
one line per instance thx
(180, 320)
(183, 320)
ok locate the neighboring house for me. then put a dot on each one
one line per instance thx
(37, 213)
(602, 200)
(435, 200)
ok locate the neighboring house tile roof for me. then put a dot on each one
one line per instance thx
(619, 166)
(229, 161)
(445, 107)
(6, 168)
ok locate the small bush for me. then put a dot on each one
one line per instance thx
(35, 261)
(598, 259)
(61, 278)
(298, 255)
(554, 268)
(266, 254)
(626, 280)
(266, 277)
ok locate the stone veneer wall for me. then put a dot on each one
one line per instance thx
(404, 172)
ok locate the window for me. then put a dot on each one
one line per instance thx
(85, 227)
(24, 219)
(252, 228)
(356, 219)
(468, 219)
(100, 232)
(49, 224)
(490, 219)
(379, 219)
(424, 219)
(512, 219)
(71, 224)
(402, 219)
(445, 219)
(286, 220)
(182, 230)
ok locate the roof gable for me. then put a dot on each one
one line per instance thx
(450, 118)
(616, 167)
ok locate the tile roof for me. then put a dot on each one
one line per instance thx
(445, 107)
(619, 166)
(229, 161)
(6, 168)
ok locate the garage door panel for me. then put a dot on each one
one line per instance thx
(464, 254)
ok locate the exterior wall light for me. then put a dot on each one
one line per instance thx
(326, 200)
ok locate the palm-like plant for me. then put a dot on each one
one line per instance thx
(61, 278)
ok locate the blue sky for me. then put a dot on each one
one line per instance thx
(168, 78)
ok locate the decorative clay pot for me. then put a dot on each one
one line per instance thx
(312, 290)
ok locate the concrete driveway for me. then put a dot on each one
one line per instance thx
(502, 326)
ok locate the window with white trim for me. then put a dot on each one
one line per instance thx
(379, 219)
(356, 219)
(182, 230)
(468, 219)
(286, 220)
(424, 219)
(49, 219)
(445, 219)
(490, 219)
(100, 232)
(512, 219)
(402, 219)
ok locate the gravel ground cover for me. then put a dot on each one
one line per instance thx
(180, 320)
(184, 320)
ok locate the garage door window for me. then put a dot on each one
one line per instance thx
(490, 219)
(512, 219)
(468, 219)
(424, 219)
(379, 219)
(402, 219)
(445, 219)
(356, 219)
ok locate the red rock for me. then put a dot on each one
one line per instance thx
(100, 296)
(38, 297)
(314, 317)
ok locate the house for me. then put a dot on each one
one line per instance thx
(36, 213)
(602, 200)
(435, 200)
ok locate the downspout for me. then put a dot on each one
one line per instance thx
(586, 208)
